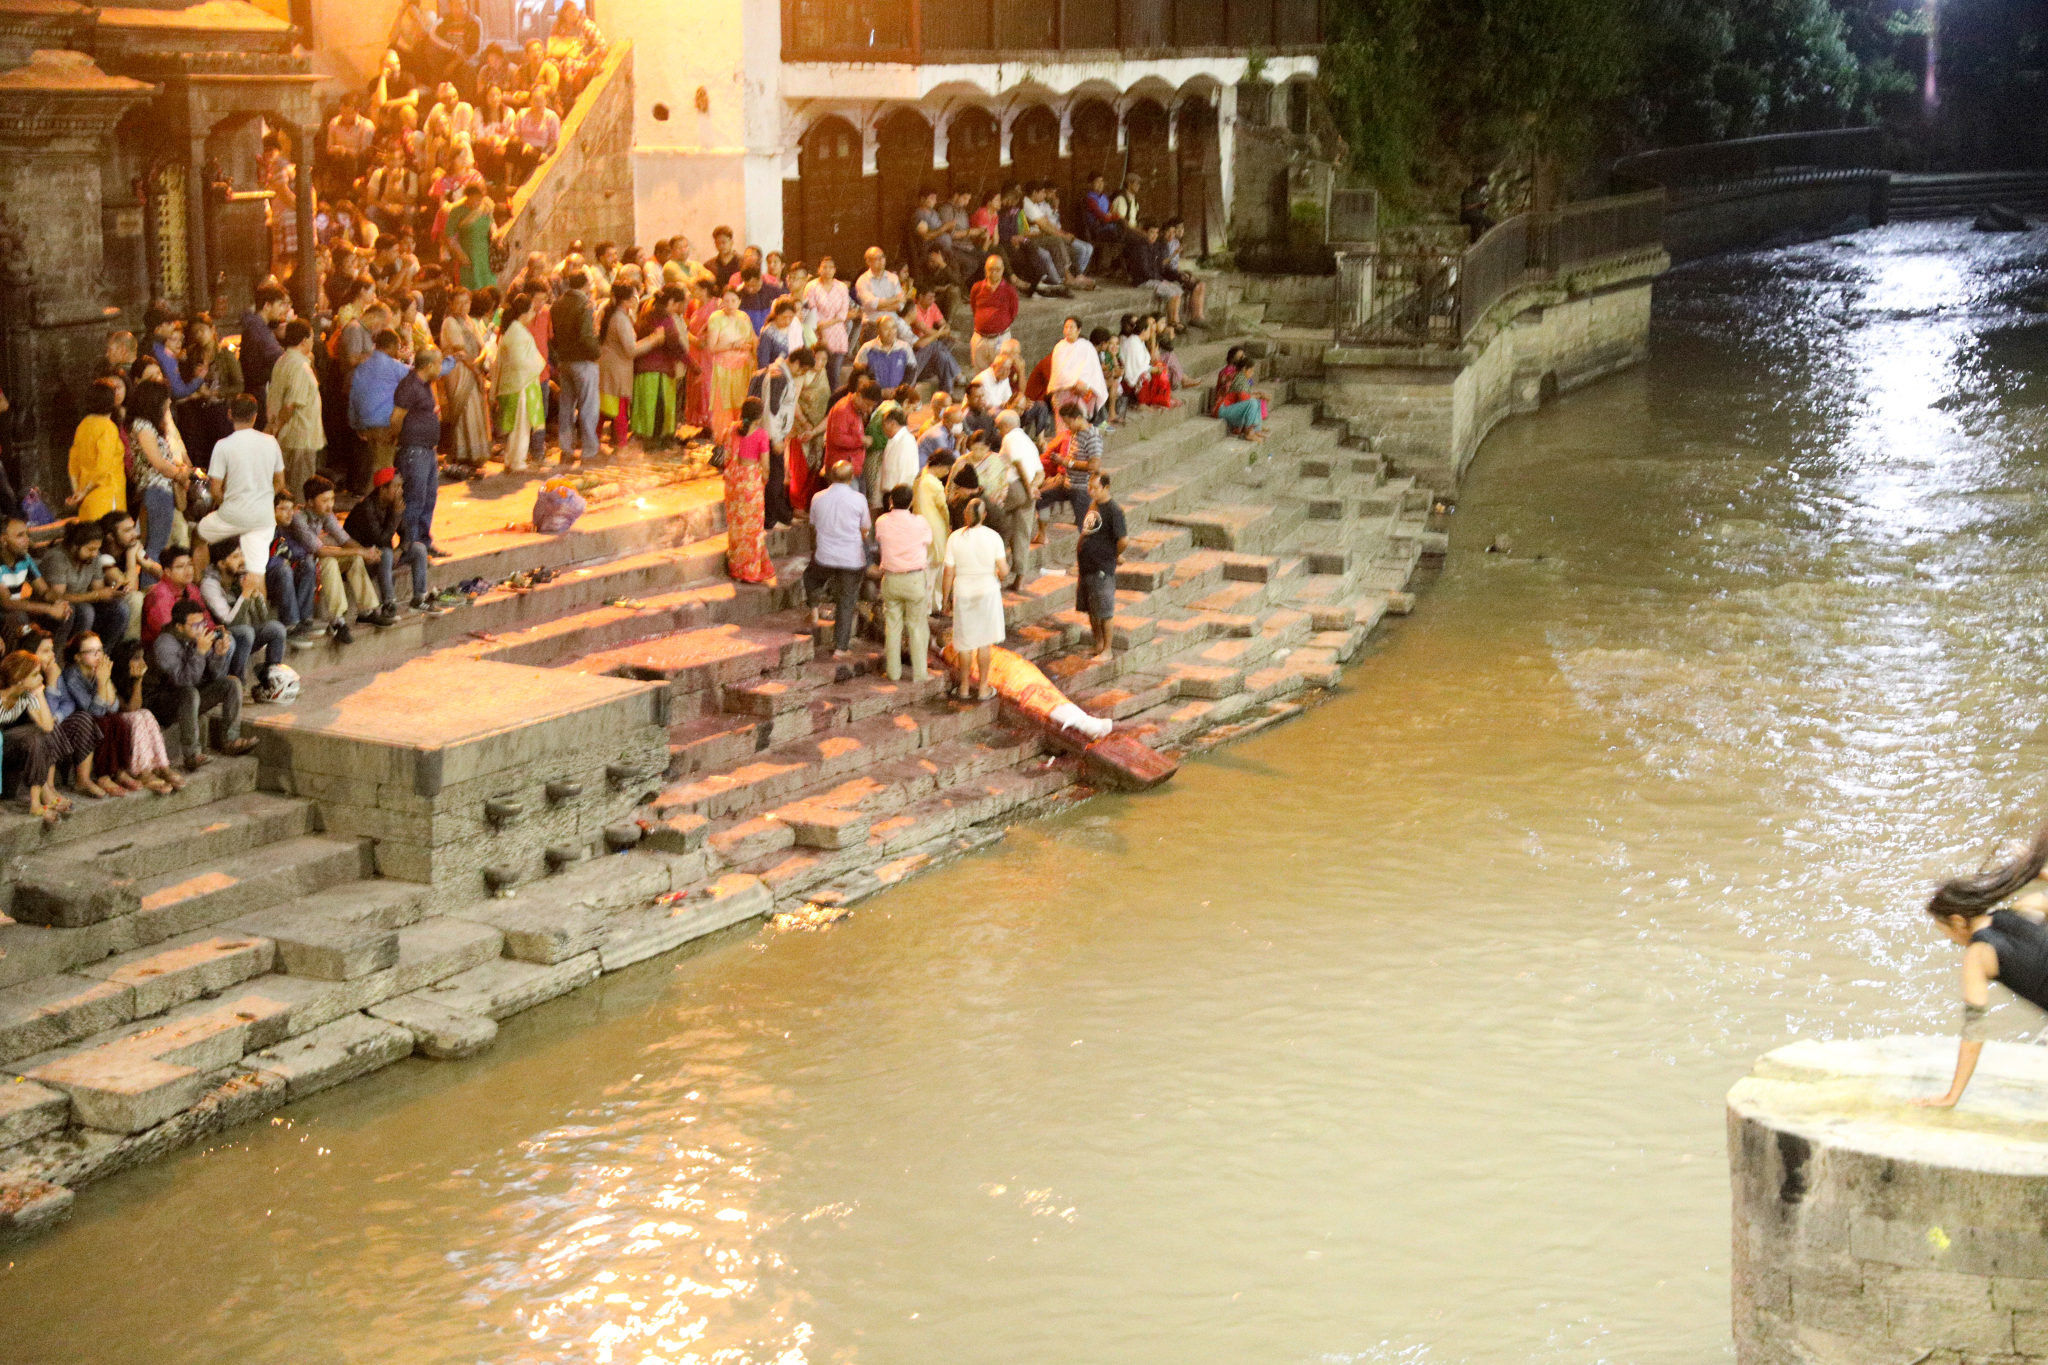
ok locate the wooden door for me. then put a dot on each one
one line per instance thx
(838, 218)
(974, 152)
(1035, 145)
(1201, 177)
(903, 169)
(1094, 150)
(1145, 134)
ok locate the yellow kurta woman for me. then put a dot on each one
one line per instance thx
(99, 473)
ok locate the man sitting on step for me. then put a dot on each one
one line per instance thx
(188, 676)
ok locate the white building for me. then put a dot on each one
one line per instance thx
(810, 125)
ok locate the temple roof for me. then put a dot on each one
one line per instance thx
(64, 71)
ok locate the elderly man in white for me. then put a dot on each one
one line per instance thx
(1020, 495)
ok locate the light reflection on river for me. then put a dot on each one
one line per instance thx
(1398, 1034)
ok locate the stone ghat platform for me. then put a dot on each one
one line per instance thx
(473, 813)
(1870, 1231)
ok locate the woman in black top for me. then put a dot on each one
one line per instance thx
(2009, 946)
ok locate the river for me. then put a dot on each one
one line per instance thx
(1395, 1034)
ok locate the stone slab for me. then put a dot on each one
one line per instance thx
(184, 968)
(310, 943)
(28, 1207)
(420, 727)
(58, 893)
(497, 990)
(438, 1032)
(55, 1010)
(28, 1110)
(353, 1045)
(537, 931)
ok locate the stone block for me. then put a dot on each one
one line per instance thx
(28, 1207)
(1205, 681)
(2027, 1295)
(437, 1031)
(502, 988)
(351, 1046)
(55, 1010)
(765, 699)
(121, 1091)
(1947, 1323)
(751, 839)
(2030, 1333)
(538, 931)
(60, 894)
(638, 934)
(28, 1110)
(819, 826)
(683, 833)
(185, 968)
(310, 943)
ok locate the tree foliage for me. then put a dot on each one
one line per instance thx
(1429, 92)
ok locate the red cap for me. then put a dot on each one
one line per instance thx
(382, 477)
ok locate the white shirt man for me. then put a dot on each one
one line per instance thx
(899, 456)
(247, 472)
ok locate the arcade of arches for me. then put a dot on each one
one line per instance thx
(838, 206)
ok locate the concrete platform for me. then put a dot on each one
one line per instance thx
(1868, 1230)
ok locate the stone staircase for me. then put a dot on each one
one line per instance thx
(174, 966)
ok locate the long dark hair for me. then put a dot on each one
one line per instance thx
(1968, 897)
(147, 403)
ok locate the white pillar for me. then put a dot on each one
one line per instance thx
(1226, 150)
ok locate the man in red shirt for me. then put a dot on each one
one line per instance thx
(846, 427)
(995, 308)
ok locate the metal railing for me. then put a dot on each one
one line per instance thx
(1707, 164)
(1437, 298)
(912, 31)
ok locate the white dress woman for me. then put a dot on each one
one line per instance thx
(975, 567)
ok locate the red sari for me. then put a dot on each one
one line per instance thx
(746, 486)
(697, 380)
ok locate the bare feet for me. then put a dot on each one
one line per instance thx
(194, 762)
(159, 785)
(169, 775)
(129, 780)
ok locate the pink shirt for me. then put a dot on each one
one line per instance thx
(906, 541)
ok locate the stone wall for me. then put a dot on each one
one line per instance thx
(1290, 300)
(1772, 212)
(1866, 1231)
(1430, 408)
(585, 191)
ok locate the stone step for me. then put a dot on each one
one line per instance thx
(624, 620)
(192, 898)
(217, 830)
(503, 610)
(224, 777)
(183, 968)
(702, 660)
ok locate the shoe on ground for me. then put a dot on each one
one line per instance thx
(342, 634)
(383, 616)
(427, 606)
(302, 641)
(436, 552)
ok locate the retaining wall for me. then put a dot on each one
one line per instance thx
(1773, 212)
(1429, 409)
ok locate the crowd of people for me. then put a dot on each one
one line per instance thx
(234, 498)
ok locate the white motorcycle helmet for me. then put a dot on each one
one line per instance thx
(282, 689)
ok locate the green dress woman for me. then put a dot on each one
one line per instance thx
(469, 230)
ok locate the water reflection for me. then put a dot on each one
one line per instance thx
(1395, 1035)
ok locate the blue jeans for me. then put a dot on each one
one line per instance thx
(415, 560)
(1083, 252)
(160, 505)
(291, 588)
(576, 413)
(246, 637)
(422, 475)
(108, 620)
(935, 361)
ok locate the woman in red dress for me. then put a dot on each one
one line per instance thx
(746, 485)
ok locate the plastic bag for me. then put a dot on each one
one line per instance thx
(555, 509)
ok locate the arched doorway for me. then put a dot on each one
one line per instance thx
(974, 152)
(1145, 134)
(1035, 145)
(1201, 182)
(903, 167)
(1094, 147)
(838, 220)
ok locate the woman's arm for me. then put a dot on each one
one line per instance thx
(1980, 964)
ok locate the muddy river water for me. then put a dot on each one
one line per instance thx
(1399, 1033)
